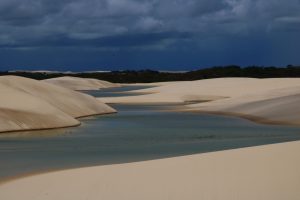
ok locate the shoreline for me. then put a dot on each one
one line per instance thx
(268, 101)
(244, 173)
(50, 171)
(252, 118)
(174, 108)
(177, 107)
(58, 128)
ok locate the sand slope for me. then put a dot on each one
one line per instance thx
(29, 104)
(277, 110)
(267, 100)
(75, 83)
(262, 173)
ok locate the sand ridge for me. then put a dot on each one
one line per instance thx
(76, 83)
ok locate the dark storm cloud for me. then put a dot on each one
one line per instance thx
(162, 24)
(79, 20)
(125, 40)
(28, 12)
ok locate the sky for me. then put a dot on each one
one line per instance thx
(84, 35)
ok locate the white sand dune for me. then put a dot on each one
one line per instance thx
(272, 100)
(75, 83)
(276, 110)
(268, 172)
(27, 104)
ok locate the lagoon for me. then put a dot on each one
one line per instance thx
(135, 133)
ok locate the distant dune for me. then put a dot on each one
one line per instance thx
(75, 83)
(27, 104)
(273, 100)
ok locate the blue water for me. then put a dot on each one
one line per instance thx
(135, 133)
(117, 91)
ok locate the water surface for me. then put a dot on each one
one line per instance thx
(135, 133)
(117, 91)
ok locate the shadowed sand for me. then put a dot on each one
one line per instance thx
(27, 104)
(268, 172)
(272, 100)
(75, 83)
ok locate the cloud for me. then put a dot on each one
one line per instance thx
(27, 20)
(169, 25)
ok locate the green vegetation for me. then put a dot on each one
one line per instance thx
(147, 76)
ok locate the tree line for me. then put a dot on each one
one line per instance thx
(148, 76)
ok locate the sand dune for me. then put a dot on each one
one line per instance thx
(277, 110)
(208, 89)
(27, 104)
(269, 172)
(266, 100)
(263, 173)
(75, 83)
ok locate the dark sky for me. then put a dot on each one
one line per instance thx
(157, 34)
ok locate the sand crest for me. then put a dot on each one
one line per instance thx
(75, 83)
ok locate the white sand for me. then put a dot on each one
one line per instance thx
(75, 83)
(269, 172)
(266, 100)
(27, 104)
